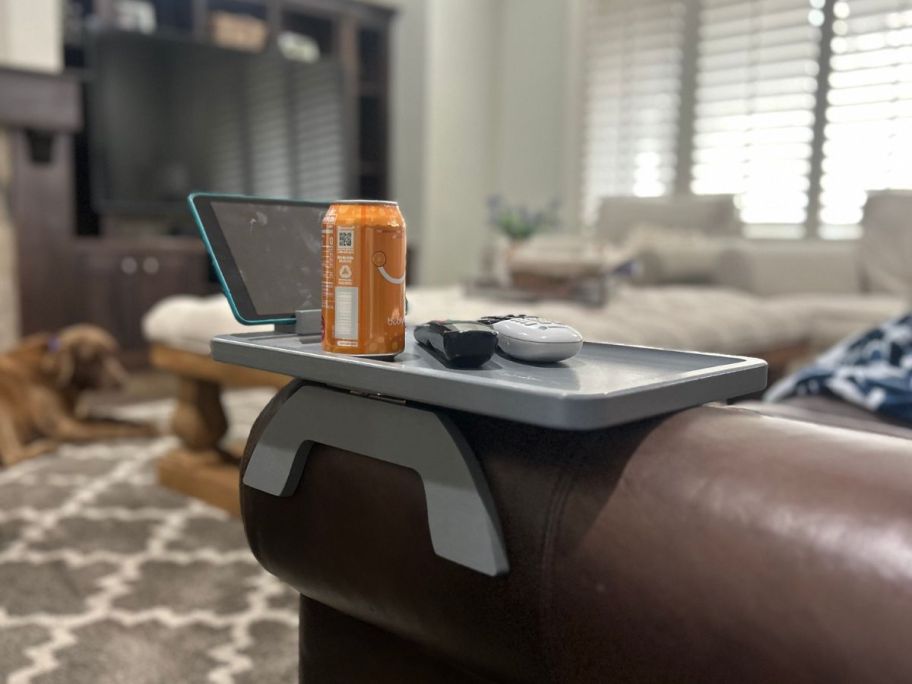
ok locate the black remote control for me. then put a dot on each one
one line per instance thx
(462, 344)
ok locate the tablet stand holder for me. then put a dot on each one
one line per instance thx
(461, 515)
(308, 324)
(462, 518)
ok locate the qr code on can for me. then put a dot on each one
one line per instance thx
(346, 238)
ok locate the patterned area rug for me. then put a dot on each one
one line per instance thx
(107, 578)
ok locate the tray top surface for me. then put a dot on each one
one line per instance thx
(599, 377)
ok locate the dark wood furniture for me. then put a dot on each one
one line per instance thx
(78, 265)
(354, 33)
(41, 113)
(122, 278)
(64, 278)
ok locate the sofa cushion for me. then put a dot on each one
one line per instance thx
(886, 242)
(770, 268)
(709, 214)
(834, 317)
(672, 255)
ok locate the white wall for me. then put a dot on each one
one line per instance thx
(460, 141)
(444, 101)
(479, 108)
(408, 112)
(31, 34)
(530, 121)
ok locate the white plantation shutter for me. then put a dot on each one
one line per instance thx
(753, 128)
(748, 125)
(630, 108)
(868, 134)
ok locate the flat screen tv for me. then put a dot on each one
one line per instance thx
(169, 116)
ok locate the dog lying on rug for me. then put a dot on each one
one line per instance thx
(40, 383)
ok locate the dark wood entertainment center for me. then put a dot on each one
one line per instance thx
(78, 264)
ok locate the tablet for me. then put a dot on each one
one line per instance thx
(267, 253)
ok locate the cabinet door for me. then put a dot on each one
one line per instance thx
(108, 289)
(121, 284)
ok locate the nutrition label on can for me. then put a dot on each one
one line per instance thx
(346, 316)
(340, 284)
(329, 258)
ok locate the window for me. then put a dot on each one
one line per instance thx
(868, 134)
(754, 113)
(630, 129)
(757, 74)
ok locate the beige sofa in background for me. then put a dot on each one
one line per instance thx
(834, 288)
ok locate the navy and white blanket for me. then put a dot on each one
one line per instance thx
(872, 370)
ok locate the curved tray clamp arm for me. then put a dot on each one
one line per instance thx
(461, 515)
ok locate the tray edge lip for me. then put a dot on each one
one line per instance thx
(566, 415)
(736, 363)
(568, 401)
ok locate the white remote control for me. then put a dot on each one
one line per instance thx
(533, 339)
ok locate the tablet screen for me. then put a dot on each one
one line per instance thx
(277, 252)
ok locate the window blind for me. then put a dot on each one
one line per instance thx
(754, 112)
(275, 128)
(631, 92)
(868, 133)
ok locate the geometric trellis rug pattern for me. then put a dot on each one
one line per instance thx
(107, 578)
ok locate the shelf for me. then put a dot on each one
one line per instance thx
(151, 243)
(33, 99)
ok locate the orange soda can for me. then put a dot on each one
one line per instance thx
(364, 278)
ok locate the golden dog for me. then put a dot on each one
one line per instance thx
(40, 382)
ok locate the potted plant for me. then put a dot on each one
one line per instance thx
(514, 224)
(518, 223)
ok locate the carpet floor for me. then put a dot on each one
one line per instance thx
(107, 578)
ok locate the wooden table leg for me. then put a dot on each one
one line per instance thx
(199, 419)
(198, 467)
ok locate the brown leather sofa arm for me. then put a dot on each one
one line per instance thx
(716, 544)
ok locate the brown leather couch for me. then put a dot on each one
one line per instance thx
(716, 544)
